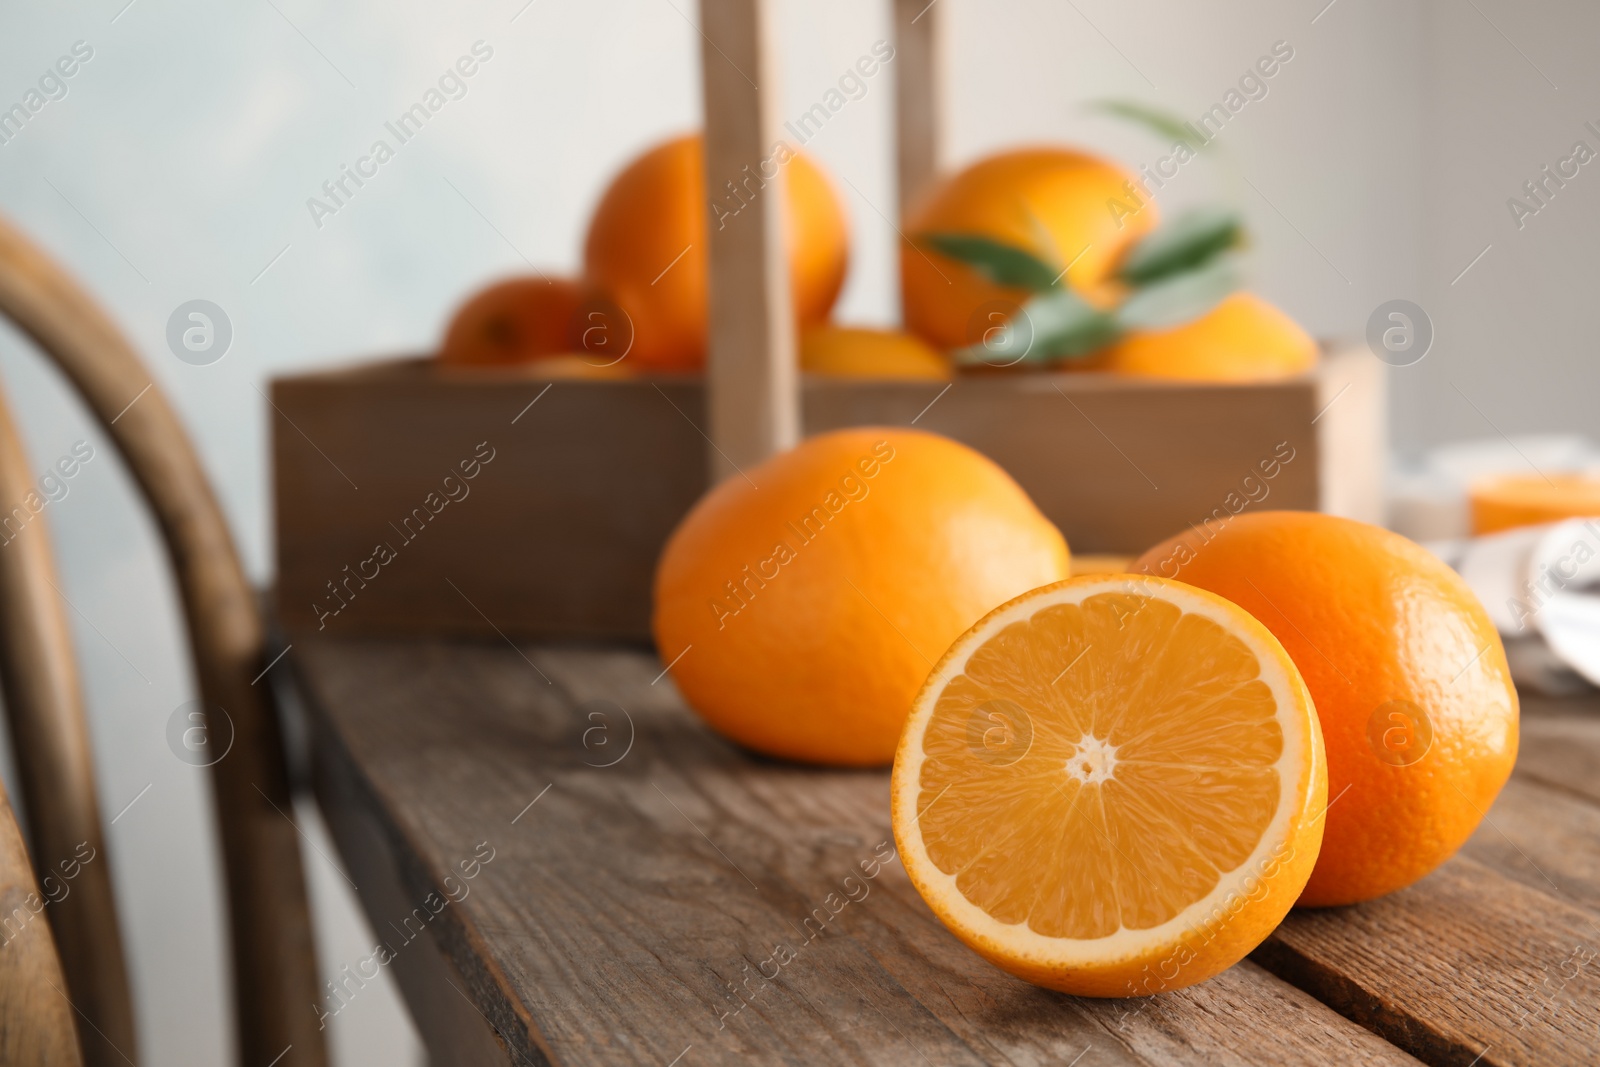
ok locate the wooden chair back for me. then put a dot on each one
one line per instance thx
(36, 1019)
(274, 968)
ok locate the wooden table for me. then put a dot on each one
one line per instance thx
(638, 890)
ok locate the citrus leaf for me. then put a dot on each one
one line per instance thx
(997, 261)
(1055, 325)
(1187, 242)
(1154, 119)
(1178, 298)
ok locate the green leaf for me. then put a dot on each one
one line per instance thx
(1186, 243)
(1160, 122)
(1066, 325)
(1054, 325)
(997, 261)
(1178, 298)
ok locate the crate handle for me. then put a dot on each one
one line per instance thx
(752, 379)
(753, 396)
(919, 111)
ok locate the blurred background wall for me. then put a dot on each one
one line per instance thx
(179, 161)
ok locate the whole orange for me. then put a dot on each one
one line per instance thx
(1507, 501)
(646, 247)
(1242, 339)
(1054, 202)
(864, 352)
(564, 367)
(803, 604)
(1419, 716)
(513, 320)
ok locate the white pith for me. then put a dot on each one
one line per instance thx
(1093, 761)
(1019, 941)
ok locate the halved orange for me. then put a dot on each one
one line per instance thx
(1112, 786)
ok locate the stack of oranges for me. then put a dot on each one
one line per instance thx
(1115, 784)
(640, 303)
(1112, 784)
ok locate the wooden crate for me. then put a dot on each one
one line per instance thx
(576, 484)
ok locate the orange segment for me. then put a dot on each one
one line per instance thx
(1110, 773)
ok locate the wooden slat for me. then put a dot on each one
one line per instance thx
(274, 962)
(558, 535)
(50, 739)
(1495, 957)
(623, 902)
(754, 407)
(1453, 969)
(36, 1018)
(1548, 839)
(919, 113)
(1561, 744)
(432, 986)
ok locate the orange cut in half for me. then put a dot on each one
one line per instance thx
(1112, 786)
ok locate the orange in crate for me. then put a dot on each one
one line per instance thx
(646, 247)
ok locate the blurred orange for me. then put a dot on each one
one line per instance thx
(574, 366)
(1100, 563)
(861, 352)
(512, 321)
(1054, 202)
(1242, 339)
(646, 249)
(1530, 499)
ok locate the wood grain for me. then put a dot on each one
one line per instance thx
(451, 1026)
(1561, 745)
(50, 739)
(1463, 967)
(269, 918)
(1495, 957)
(753, 407)
(1546, 838)
(919, 85)
(37, 1022)
(650, 883)
(559, 535)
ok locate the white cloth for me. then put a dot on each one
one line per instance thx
(1536, 583)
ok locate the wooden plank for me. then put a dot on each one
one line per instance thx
(557, 537)
(656, 891)
(1560, 744)
(455, 1033)
(919, 86)
(1116, 466)
(50, 739)
(572, 494)
(1454, 969)
(753, 407)
(1496, 954)
(1546, 838)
